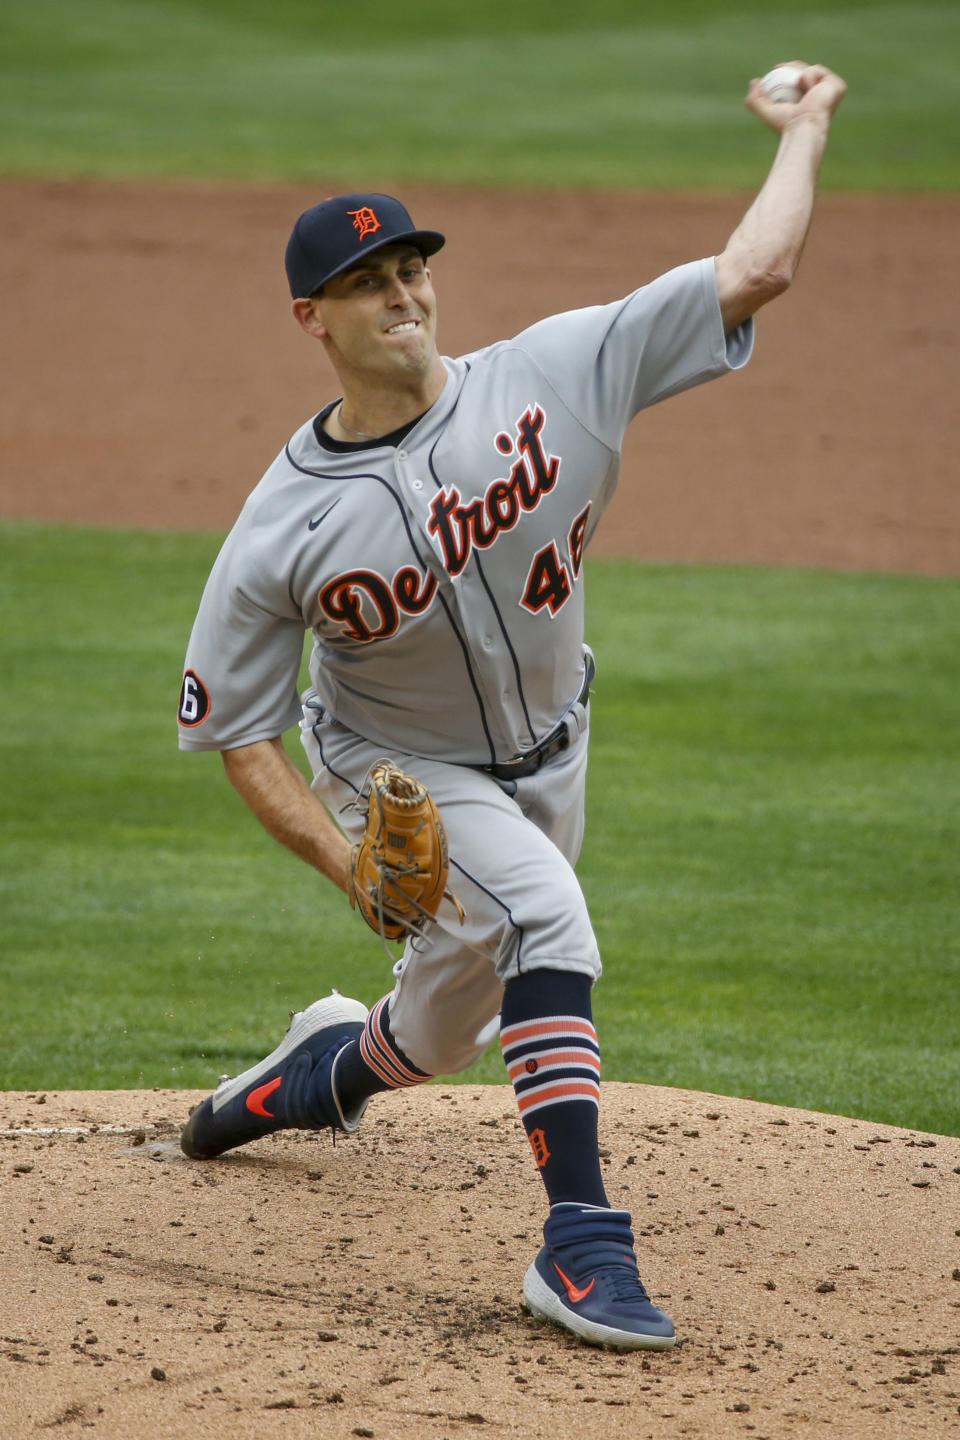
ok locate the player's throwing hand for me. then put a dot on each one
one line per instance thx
(820, 93)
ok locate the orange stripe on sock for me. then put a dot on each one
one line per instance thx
(559, 1025)
(552, 1094)
(550, 1060)
(384, 1049)
(380, 1055)
(387, 1074)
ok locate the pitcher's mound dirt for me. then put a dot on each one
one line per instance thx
(294, 1289)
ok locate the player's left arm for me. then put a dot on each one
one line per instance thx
(279, 795)
(762, 255)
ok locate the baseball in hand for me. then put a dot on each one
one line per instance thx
(782, 84)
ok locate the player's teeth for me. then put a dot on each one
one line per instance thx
(407, 325)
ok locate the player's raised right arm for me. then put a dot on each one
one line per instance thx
(762, 255)
(280, 797)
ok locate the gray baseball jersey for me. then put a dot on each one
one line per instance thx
(442, 576)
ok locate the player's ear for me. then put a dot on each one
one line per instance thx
(305, 314)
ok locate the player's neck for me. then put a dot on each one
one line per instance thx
(368, 411)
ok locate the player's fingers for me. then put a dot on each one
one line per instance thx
(758, 101)
(827, 88)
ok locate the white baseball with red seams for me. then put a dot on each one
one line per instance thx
(782, 84)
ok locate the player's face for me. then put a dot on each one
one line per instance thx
(381, 316)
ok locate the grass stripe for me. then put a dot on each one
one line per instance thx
(637, 96)
(770, 857)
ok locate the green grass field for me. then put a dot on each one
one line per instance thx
(771, 853)
(772, 842)
(516, 92)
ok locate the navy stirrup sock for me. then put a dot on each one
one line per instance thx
(373, 1062)
(552, 1056)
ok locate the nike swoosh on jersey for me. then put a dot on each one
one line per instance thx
(312, 524)
(254, 1101)
(573, 1291)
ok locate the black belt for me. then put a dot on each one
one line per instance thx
(557, 740)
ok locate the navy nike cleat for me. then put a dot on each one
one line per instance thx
(585, 1278)
(291, 1089)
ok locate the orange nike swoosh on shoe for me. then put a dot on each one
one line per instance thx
(572, 1290)
(255, 1099)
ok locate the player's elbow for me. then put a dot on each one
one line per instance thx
(746, 282)
(765, 283)
(776, 279)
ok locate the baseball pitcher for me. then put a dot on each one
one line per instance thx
(428, 527)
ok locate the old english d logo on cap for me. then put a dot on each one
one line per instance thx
(330, 237)
(365, 221)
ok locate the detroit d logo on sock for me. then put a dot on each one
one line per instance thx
(538, 1144)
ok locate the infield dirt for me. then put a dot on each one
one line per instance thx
(153, 368)
(812, 1263)
(299, 1289)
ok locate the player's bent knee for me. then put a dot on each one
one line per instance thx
(445, 1051)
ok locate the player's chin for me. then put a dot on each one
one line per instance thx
(415, 350)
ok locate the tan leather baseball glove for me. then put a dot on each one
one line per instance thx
(399, 869)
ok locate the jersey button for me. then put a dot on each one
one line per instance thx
(401, 454)
(416, 484)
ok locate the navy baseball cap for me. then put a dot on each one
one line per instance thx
(333, 236)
